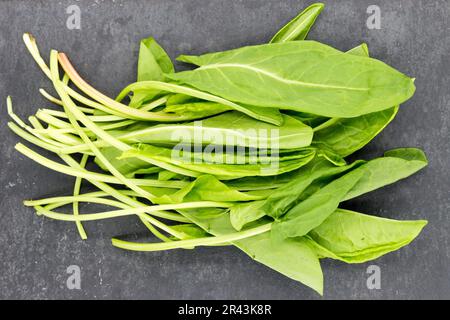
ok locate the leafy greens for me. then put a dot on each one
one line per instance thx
(249, 149)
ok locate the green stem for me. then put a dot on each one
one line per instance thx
(76, 192)
(102, 118)
(57, 202)
(130, 211)
(132, 113)
(50, 133)
(131, 202)
(75, 170)
(82, 173)
(326, 124)
(29, 137)
(182, 244)
(51, 98)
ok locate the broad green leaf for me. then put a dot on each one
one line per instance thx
(305, 76)
(361, 50)
(291, 134)
(330, 155)
(298, 28)
(179, 98)
(231, 128)
(128, 167)
(140, 97)
(153, 63)
(197, 164)
(355, 237)
(345, 136)
(311, 212)
(205, 188)
(165, 175)
(315, 121)
(282, 199)
(289, 188)
(190, 231)
(307, 118)
(396, 164)
(269, 115)
(317, 174)
(244, 213)
(197, 109)
(293, 258)
(260, 183)
(348, 135)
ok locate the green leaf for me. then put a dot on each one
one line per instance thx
(165, 175)
(291, 134)
(197, 109)
(200, 163)
(153, 63)
(311, 212)
(269, 115)
(294, 258)
(203, 109)
(298, 28)
(330, 155)
(408, 154)
(307, 118)
(396, 164)
(361, 50)
(345, 136)
(179, 98)
(348, 135)
(317, 174)
(260, 183)
(244, 213)
(128, 167)
(318, 122)
(140, 97)
(205, 188)
(231, 128)
(190, 231)
(355, 237)
(305, 76)
(285, 196)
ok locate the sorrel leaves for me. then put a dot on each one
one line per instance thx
(305, 76)
(248, 150)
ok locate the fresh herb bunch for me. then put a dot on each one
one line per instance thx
(274, 196)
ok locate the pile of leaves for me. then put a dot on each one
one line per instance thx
(291, 111)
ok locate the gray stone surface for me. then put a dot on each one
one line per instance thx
(35, 252)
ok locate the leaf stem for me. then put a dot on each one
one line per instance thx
(326, 124)
(130, 211)
(76, 192)
(206, 241)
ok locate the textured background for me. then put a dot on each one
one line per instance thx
(35, 252)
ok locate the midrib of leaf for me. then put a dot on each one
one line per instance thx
(277, 77)
(294, 30)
